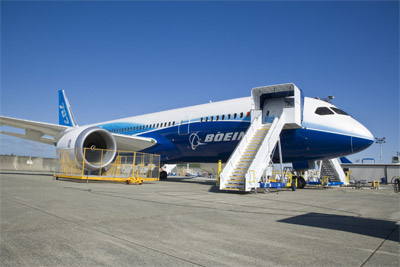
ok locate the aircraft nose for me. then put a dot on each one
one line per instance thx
(361, 138)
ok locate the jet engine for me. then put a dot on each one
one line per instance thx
(100, 145)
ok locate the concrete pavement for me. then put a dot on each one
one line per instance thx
(186, 222)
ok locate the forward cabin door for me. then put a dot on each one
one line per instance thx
(184, 127)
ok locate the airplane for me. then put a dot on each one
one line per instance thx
(202, 133)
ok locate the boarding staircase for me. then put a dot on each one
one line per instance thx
(254, 153)
(331, 168)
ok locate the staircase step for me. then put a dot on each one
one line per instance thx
(253, 146)
(236, 179)
(230, 183)
(243, 165)
(234, 186)
(250, 151)
(235, 189)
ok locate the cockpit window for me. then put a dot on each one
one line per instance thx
(323, 111)
(339, 111)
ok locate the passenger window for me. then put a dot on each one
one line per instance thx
(323, 111)
(201, 119)
(241, 114)
(211, 118)
(158, 125)
(229, 116)
(234, 116)
(339, 111)
(217, 118)
(206, 119)
(173, 123)
(223, 117)
(169, 123)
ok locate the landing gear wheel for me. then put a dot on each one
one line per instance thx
(163, 175)
(301, 183)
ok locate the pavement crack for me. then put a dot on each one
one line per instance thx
(373, 253)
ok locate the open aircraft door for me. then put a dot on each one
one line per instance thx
(184, 123)
(184, 127)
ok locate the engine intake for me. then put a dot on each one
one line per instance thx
(94, 147)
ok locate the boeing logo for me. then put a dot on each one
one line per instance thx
(231, 136)
(195, 140)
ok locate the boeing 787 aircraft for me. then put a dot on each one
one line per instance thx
(210, 132)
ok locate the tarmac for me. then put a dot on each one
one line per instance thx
(188, 222)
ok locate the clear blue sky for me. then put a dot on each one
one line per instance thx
(119, 59)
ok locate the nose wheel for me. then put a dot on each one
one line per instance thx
(163, 175)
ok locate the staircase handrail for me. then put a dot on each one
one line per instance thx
(235, 156)
(265, 149)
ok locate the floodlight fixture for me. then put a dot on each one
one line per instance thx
(380, 141)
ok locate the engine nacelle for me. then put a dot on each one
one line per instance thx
(94, 139)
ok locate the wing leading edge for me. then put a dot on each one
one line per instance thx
(36, 131)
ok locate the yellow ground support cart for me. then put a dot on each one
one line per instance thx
(126, 166)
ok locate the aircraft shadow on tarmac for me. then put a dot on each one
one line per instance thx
(387, 230)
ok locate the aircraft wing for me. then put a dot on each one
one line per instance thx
(133, 143)
(35, 131)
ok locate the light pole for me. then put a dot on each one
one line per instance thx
(380, 141)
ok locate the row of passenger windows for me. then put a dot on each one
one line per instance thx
(165, 124)
(328, 111)
(223, 117)
(143, 127)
